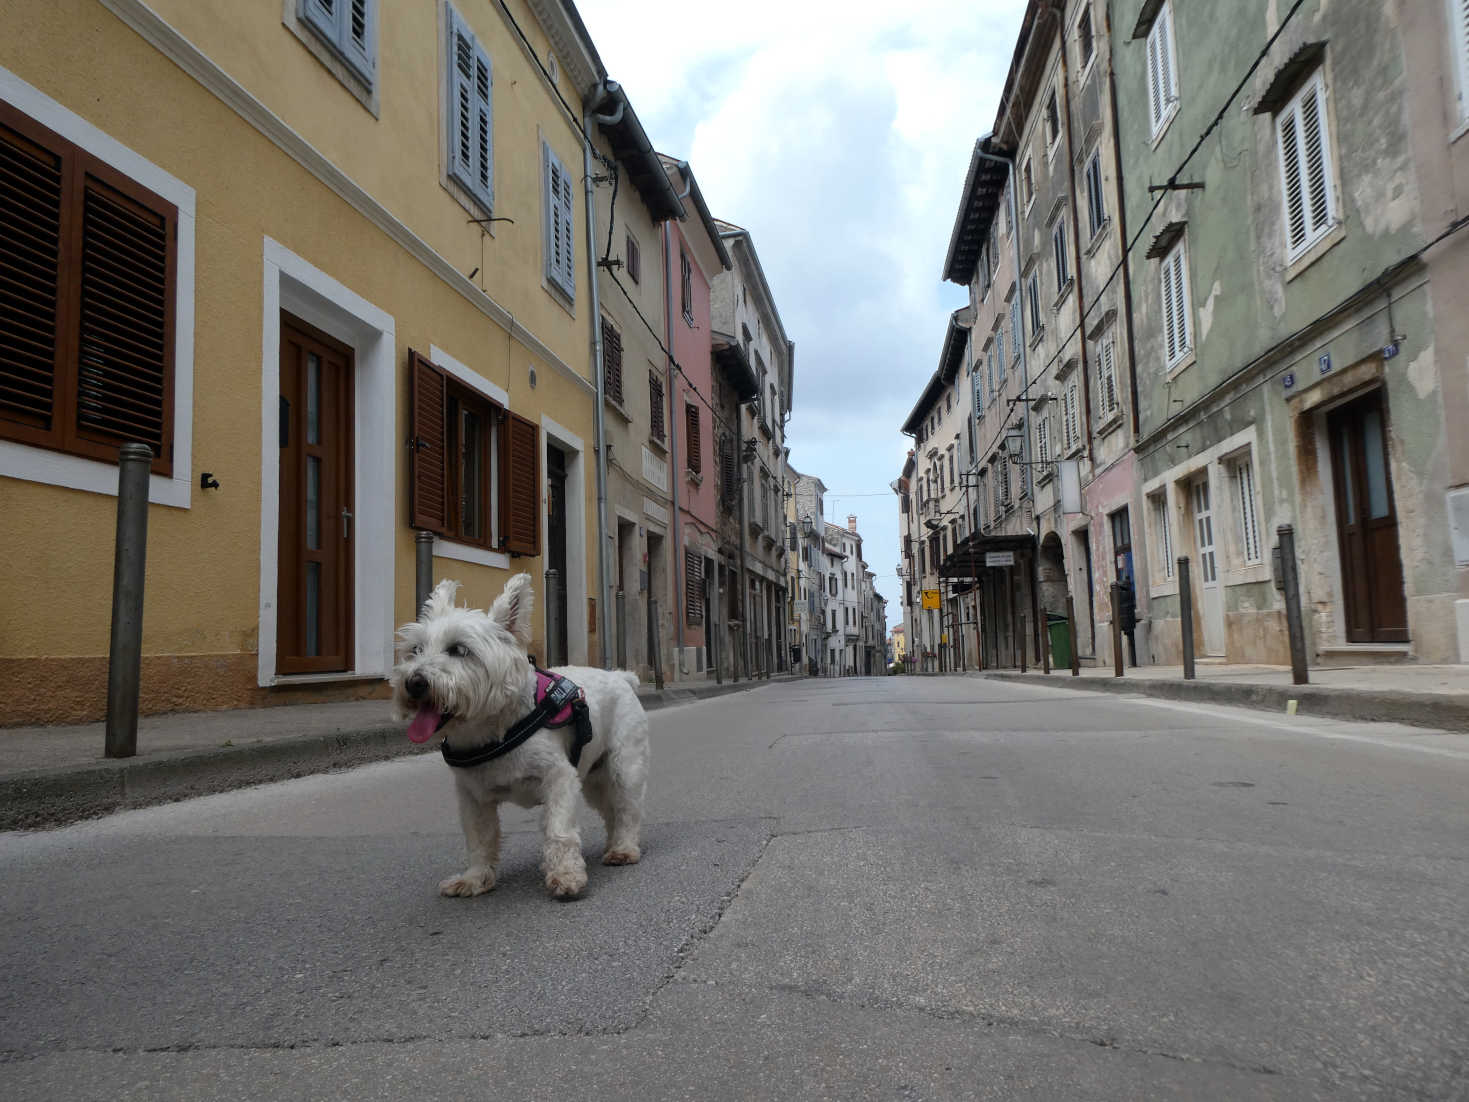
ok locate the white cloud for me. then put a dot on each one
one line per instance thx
(839, 135)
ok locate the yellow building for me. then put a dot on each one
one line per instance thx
(900, 644)
(330, 253)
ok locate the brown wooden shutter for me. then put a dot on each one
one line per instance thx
(612, 360)
(694, 585)
(656, 427)
(125, 356)
(427, 447)
(520, 486)
(727, 471)
(695, 445)
(31, 299)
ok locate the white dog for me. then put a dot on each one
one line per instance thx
(466, 673)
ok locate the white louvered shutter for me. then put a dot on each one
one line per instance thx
(1015, 334)
(1244, 496)
(1043, 437)
(1305, 167)
(1107, 378)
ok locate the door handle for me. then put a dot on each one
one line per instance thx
(346, 523)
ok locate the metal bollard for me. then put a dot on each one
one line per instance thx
(654, 650)
(1071, 628)
(1186, 617)
(130, 557)
(553, 626)
(1295, 628)
(423, 569)
(621, 630)
(1020, 638)
(1116, 629)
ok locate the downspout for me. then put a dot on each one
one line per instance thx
(604, 579)
(678, 563)
(740, 608)
(1122, 226)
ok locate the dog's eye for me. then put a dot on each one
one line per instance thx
(417, 649)
(458, 650)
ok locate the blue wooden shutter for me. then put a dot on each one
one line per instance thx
(560, 225)
(357, 39)
(323, 16)
(469, 119)
(484, 161)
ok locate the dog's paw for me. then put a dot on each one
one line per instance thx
(468, 883)
(566, 883)
(622, 855)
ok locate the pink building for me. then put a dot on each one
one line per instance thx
(692, 255)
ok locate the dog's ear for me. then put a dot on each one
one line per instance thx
(512, 608)
(440, 601)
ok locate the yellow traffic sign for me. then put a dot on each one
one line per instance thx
(930, 598)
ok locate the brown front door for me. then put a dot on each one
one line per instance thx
(314, 583)
(1367, 524)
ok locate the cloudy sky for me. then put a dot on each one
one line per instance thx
(838, 133)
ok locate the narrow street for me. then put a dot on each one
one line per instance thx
(899, 888)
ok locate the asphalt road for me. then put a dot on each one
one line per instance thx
(901, 888)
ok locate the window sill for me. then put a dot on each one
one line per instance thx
(1317, 250)
(660, 445)
(471, 553)
(363, 91)
(1044, 475)
(1182, 365)
(1166, 589)
(694, 476)
(1061, 293)
(1168, 117)
(1111, 424)
(617, 407)
(1249, 574)
(1035, 338)
(1097, 238)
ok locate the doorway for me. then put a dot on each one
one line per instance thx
(1367, 524)
(556, 553)
(315, 549)
(1211, 592)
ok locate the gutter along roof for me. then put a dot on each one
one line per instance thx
(673, 164)
(951, 356)
(984, 187)
(631, 147)
(729, 357)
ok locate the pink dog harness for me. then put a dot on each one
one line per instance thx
(560, 702)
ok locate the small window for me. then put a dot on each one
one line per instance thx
(657, 428)
(686, 286)
(1058, 244)
(560, 225)
(1000, 352)
(1459, 32)
(1053, 121)
(1028, 183)
(612, 361)
(1107, 397)
(1176, 308)
(1084, 38)
(1242, 486)
(1162, 532)
(1015, 335)
(1096, 207)
(1305, 167)
(694, 586)
(471, 145)
(1071, 413)
(348, 29)
(1033, 289)
(692, 438)
(1043, 437)
(634, 260)
(1162, 70)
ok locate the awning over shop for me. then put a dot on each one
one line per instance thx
(968, 559)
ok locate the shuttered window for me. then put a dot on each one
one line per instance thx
(1305, 167)
(1459, 47)
(475, 467)
(657, 428)
(612, 361)
(1162, 70)
(470, 121)
(1164, 533)
(1071, 414)
(728, 473)
(1096, 207)
(692, 441)
(634, 260)
(560, 225)
(1107, 397)
(1242, 482)
(686, 286)
(87, 288)
(1173, 276)
(1043, 438)
(694, 586)
(349, 28)
(1033, 289)
(1015, 334)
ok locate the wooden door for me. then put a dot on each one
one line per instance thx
(556, 547)
(314, 581)
(1367, 524)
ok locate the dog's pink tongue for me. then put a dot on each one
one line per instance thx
(424, 724)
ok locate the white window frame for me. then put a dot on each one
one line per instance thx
(1052, 139)
(1177, 305)
(1071, 414)
(1161, 75)
(331, 22)
(1162, 531)
(560, 218)
(1015, 325)
(1085, 16)
(1058, 246)
(1245, 495)
(1043, 437)
(1459, 44)
(1000, 352)
(468, 113)
(1109, 401)
(1318, 204)
(1027, 181)
(1033, 290)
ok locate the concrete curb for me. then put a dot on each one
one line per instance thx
(1443, 711)
(55, 797)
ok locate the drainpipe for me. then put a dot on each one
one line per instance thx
(742, 606)
(604, 577)
(678, 558)
(1086, 390)
(1121, 224)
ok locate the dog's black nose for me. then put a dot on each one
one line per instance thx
(416, 685)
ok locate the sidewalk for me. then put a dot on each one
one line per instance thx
(55, 775)
(1420, 696)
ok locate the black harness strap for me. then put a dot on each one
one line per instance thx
(561, 692)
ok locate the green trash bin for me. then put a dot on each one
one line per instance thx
(1060, 632)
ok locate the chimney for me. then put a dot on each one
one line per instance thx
(852, 523)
